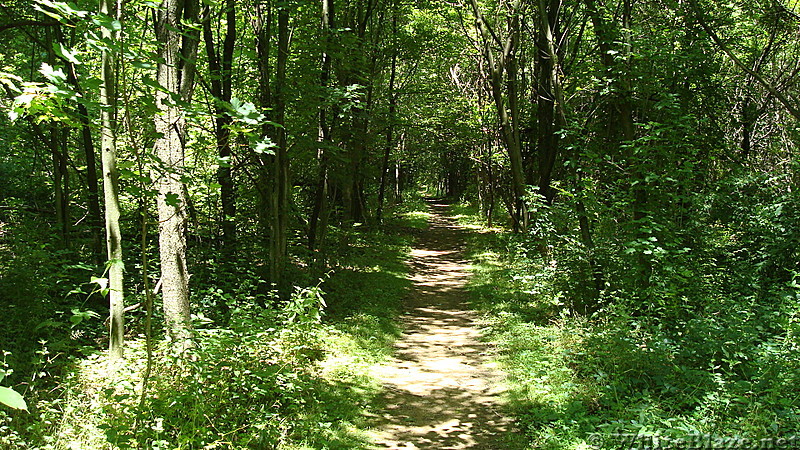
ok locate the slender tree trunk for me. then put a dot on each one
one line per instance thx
(280, 184)
(221, 75)
(547, 23)
(489, 182)
(398, 193)
(607, 36)
(491, 194)
(58, 144)
(509, 127)
(108, 144)
(176, 52)
(486, 149)
(748, 126)
(274, 174)
(548, 66)
(95, 215)
(397, 177)
(359, 149)
(95, 219)
(262, 21)
(360, 69)
(387, 153)
(60, 182)
(587, 240)
(749, 112)
(319, 214)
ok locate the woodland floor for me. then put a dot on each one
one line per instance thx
(442, 389)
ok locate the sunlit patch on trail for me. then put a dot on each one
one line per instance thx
(442, 391)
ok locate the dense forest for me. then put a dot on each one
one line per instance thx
(207, 209)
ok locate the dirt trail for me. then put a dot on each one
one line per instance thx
(442, 391)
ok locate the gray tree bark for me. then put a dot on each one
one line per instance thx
(176, 52)
(108, 144)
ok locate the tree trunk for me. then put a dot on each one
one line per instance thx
(262, 28)
(221, 75)
(176, 52)
(509, 124)
(548, 66)
(588, 242)
(358, 144)
(60, 182)
(95, 216)
(280, 183)
(390, 126)
(58, 145)
(319, 214)
(547, 21)
(108, 114)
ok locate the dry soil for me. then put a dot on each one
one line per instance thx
(442, 388)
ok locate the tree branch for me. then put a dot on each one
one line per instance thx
(24, 23)
(769, 87)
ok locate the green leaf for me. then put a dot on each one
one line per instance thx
(54, 75)
(91, 83)
(143, 64)
(245, 112)
(148, 81)
(79, 316)
(10, 81)
(61, 11)
(11, 398)
(102, 282)
(224, 161)
(172, 200)
(65, 53)
(264, 146)
(49, 323)
(109, 23)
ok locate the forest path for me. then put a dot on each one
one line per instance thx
(442, 390)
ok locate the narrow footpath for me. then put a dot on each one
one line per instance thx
(442, 390)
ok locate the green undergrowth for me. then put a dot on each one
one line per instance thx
(468, 217)
(413, 214)
(292, 376)
(727, 375)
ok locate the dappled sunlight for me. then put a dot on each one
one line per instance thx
(421, 253)
(443, 390)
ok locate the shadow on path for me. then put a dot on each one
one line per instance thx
(442, 391)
